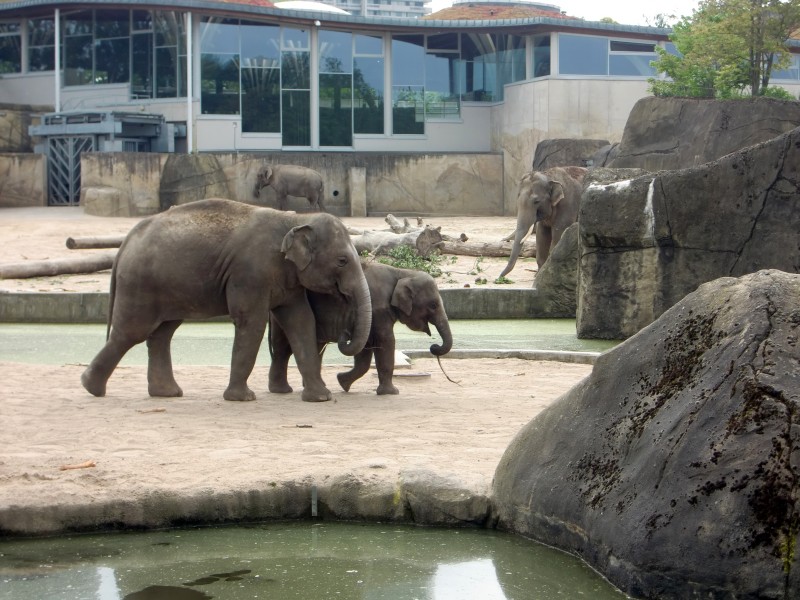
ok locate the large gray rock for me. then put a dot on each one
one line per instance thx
(674, 133)
(674, 468)
(649, 241)
(557, 280)
(565, 152)
(190, 177)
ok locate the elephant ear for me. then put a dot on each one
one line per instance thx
(556, 192)
(403, 296)
(297, 246)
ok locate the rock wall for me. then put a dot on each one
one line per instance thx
(675, 133)
(673, 467)
(130, 184)
(649, 241)
(22, 180)
(565, 153)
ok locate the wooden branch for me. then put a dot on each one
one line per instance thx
(85, 243)
(491, 249)
(48, 268)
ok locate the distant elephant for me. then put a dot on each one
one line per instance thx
(549, 200)
(220, 257)
(291, 180)
(404, 295)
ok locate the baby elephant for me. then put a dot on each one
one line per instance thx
(404, 295)
(291, 180)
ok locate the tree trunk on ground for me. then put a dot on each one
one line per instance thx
(48, 268)
(85, 243)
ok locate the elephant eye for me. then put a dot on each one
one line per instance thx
(341, 261)
(434, 305)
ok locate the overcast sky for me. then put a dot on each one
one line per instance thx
(627, 12)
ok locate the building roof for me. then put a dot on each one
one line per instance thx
(473, 10)
(309, 5)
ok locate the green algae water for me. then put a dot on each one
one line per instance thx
(208, 344)
(288, 561)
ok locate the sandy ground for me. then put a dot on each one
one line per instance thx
(132, 446)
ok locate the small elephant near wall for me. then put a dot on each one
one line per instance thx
(404, 295)
(550, 200)
(291, 180)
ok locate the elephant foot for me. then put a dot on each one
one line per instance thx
(386, 389)
(170, 390)
(239, 394)
(280, 387)
(95, 388)
(309, 395)
(345, 381)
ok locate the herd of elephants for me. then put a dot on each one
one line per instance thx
(298, 273)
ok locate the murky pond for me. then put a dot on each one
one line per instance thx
(210, 343)
(289, 561)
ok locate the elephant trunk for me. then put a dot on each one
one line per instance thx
(515, 250)
(443, 327)
(363, 321)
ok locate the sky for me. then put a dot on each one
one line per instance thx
(626, 12)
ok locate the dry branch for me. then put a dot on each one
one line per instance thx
(48, 268)
(489, 249)
(86, 243)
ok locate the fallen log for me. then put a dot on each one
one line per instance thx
(488, 249)
(87, 243)
(48, 268)
(425, 241)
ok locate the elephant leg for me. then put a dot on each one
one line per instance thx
(249, 331)
(279, 365)
(361, 363)
(96, 375)
(160, 378)
(544, 238)
(384, 363)
(297, 321)
(281, 201)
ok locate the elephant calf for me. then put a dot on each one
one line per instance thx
(549, 199)
(292, 180)
(404, 295)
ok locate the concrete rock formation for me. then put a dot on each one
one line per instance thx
(675, 133)
(190, 177)
(673, 467)
(649, 241)
(557, 280)
(565, 152)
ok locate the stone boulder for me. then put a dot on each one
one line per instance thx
(675, 133)
(557, 280)
(648, 241)
(190, 177)
(565, 152)
(673, 468)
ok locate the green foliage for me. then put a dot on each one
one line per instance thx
(728, 49)
(778, 93)
(503, 280)
(407, 257)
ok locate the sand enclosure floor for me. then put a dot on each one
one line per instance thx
(130, 447)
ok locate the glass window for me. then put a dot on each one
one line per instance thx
(296, 117)
(510, 60)
(10, 48)
(408, 113)
(582, 55)
(368, 94)
(295, 70)
(336, 109)
(441, 85)
(261, 99)
(631, 58)
(541, 55)
(219, 36)
(296, 39)
(41, 45)
(260, 45)
(112, 60)
(219, 84)
(478, 80)
(792, 72)
(369, 45)
(335, 52)
(142, 59)
(408, 84)
(111, 23)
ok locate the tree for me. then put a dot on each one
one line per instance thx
(728, 47)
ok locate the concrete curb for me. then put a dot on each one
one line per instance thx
(583, 358)
(468, 303)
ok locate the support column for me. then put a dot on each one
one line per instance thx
(357, 191)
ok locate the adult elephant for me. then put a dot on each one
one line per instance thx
(404, 295)
(550, 200)
(219, 257)
(291, 180)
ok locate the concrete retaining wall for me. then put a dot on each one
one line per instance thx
(93, 307)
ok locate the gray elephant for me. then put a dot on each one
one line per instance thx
(404, 295)
(220, 257)
(550, 200)
(291, 180)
